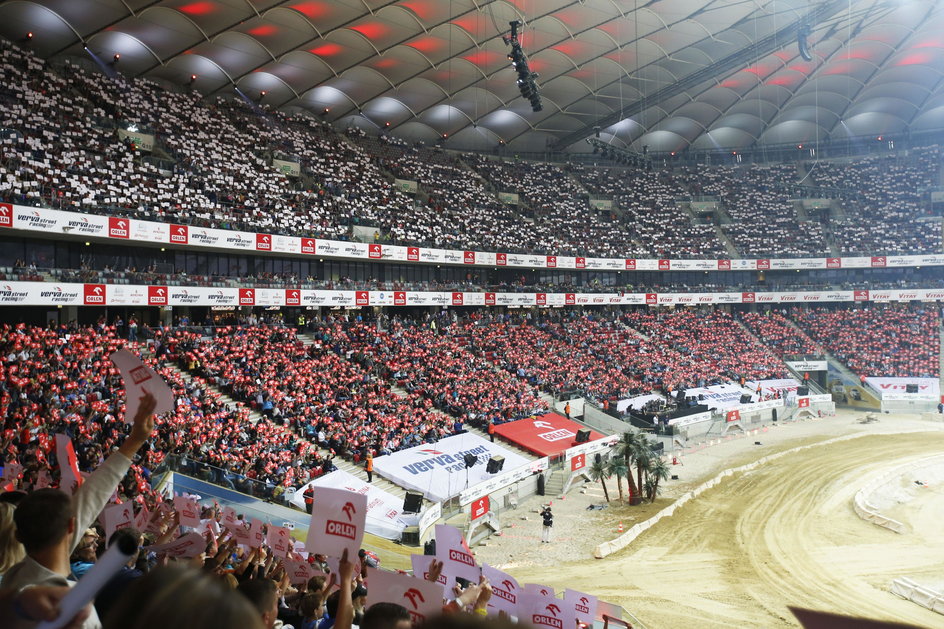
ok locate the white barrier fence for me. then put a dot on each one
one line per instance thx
(917, 593)
(863, 505)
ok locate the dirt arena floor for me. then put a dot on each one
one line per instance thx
(737, 556)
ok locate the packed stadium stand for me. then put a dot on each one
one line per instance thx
(413, 274)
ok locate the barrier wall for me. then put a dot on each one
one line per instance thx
(862, 501)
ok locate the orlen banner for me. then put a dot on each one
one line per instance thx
(438, 470)
(131, 229)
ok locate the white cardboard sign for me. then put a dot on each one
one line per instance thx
(457, 558)
(140, 378)
(421, 598)
(505, 591)
(547, 613)
(585, 605)
(337, 522)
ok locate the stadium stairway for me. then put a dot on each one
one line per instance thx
(941, 358)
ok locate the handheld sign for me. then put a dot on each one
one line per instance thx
(539, 590)
(420, 564)
(279, 540)
(420, 597)
(545, 613)
(585, 605)
(505, 591)
(186, 547)
(139, 378)
(298, 571)
(337, 522)
(189, 511)
(457, 559)
(117, 517)
(69, 479)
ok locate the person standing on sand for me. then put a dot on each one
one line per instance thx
(548, 523)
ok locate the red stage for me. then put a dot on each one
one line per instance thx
(545, 435)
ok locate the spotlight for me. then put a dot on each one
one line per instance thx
(193, 77)
(117, 57)
(262, 94)
(387, 124)
(29, 36)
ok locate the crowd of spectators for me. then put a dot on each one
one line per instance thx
(327, 392)
(879, 340)
(439, 364)
(61, 148)
(779, 335)
(892, 196)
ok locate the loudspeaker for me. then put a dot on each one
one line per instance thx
(802, 391)
(429, 548)
(674, 476)
(412, 503)
(911, 388)
(410, 536)
(470, 460)
(583, 435)
(495, 464)
(773, 414)
(597, 458)
(745, 398)
(541, 484)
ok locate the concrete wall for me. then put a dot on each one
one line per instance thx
(600, 421)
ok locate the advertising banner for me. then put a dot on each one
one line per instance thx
(438, 470)
(897, 388)
(718, 396)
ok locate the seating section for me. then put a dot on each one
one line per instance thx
(777, 333)
(885, 217)
(211, 166)
(325, 391)
(885, 341)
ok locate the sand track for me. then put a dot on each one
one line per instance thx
(784, 534)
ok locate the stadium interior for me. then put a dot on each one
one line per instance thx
(471, 260)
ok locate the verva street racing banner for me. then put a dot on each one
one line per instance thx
(438, 470)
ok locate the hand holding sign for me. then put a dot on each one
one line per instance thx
(337, 522)
(140, 379)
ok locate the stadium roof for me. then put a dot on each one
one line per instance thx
(669, 74)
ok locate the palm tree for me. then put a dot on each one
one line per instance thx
(658, 471)
(599, 472)
(626, 447)
(642, 455)
(617, 467)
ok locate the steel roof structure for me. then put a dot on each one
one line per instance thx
(667, 74)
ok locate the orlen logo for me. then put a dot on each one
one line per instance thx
(117, 227)
(833, 263)
(247, 296)
(157, 295)
(412, 595)
(501, 259)
(548, 620)
(6, 215)
(630, 264)
(489, 299)
(457, 299)
(179, 234)
(580, 262)
(724, 265)
(94, 294)
(293, 297)
(374, 251)
(552, 262)
(665, 265)
(747, 298)
(540, 299)
(860, 295)
(479, 507)
(468, 257)
(583, 605)
(570, 299)
(361, 298)
(652, 299)
(878, 261)
(413, 254)
(263, 242)
(399, 298)
(308, 245)
(763, 265)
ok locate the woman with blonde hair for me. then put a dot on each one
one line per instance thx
(11, 550)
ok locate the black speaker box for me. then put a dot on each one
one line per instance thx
(802, 391)
(412, 503)
(470, 460)
(911, 388)
(583, 435)
(745, 398)
(495, 464)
